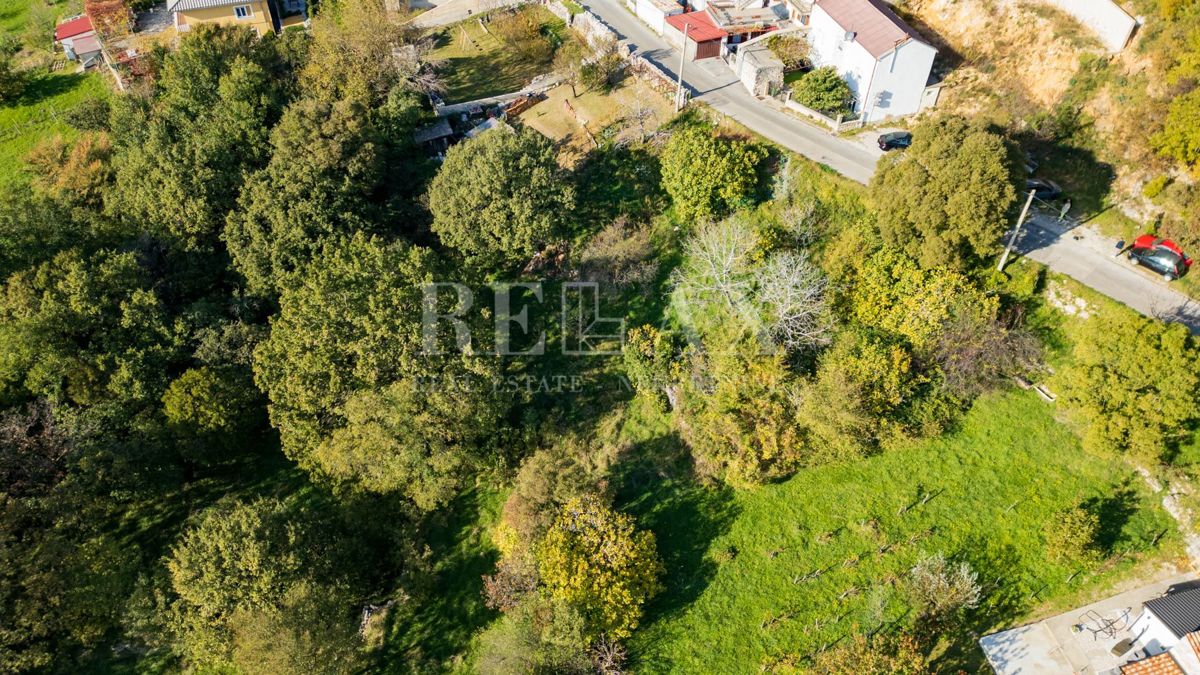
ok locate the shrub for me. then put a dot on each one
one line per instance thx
(1071, 535)
(707, 175)
(880, 654)
(90, 115)
(1155, 187)
(941, 588)
(601, 74)
(594, 560)
(823, 90)
(537, 636)
(1133, 382)
(1180, 136)
(648, 356)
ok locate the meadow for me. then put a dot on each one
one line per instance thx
(765, 577)
(38, 115)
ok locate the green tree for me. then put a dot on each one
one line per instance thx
(594, 559)
(1180, 137)
(1133, 383)
(824, 90)
(86, 329)
(325, 172)
(707, 175)
(409, 438)
(499, 198)
(236, 557)
(183, 167)
(891, 292)
(212, 407)
(1071, 535)
(354, 326)
(946, 200)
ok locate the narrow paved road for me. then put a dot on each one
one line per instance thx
(1088, 257)
(712, 82)
(1079, 252)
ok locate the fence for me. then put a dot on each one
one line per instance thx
(836, 126)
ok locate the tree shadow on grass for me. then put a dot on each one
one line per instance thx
(429, 630)
(1114, 512)
(617, 180)
(43, 87)
(656, 485)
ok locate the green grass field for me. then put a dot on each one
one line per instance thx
(735, 596)
(38, 115)
(480, 64)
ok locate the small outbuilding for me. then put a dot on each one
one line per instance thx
(78, 38)
(704, 39)
(655, 12)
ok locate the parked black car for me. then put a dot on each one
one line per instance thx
(896, 140)
(1043, 189)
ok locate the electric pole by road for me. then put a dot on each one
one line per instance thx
(682, 60)
(1016, 230)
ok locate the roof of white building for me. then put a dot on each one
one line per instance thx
(875, 26)
(1179, 611)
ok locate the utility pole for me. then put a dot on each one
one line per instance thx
(1016, 230)
(682, 60)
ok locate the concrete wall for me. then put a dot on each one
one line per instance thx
(1110, 23)
(898, 85)
(259, 19)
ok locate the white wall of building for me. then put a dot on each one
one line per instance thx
(1152, 634)
(830, 48)
(899, 82)
(654, 15)
(1113, 26)
(899, 76)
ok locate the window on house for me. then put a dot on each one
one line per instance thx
(243, 11)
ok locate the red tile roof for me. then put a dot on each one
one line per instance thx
(702, 27)
(1163, 664)
(76, 26)
(876, 26)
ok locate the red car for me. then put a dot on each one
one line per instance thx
(1160, 255)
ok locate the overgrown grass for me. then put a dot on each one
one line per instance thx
(435, 632)
(736, 597)
(38, 115)
(480, 64)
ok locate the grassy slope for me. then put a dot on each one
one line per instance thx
(1009, 450)
(481, 65)
(38, 115)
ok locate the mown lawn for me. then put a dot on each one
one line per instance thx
(769, 575)
(39, 115)
(479, 64)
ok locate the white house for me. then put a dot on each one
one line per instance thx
(884, 61)
(1169, 625)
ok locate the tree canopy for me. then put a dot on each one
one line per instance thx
(500, 198)
(946, 200)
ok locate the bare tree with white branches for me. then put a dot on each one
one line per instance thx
(792, 292)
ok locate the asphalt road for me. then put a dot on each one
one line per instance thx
(1084, 255)
(712, 82)
(1077, 251)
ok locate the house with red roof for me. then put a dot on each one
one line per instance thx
(886, 63)
(78, 38)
